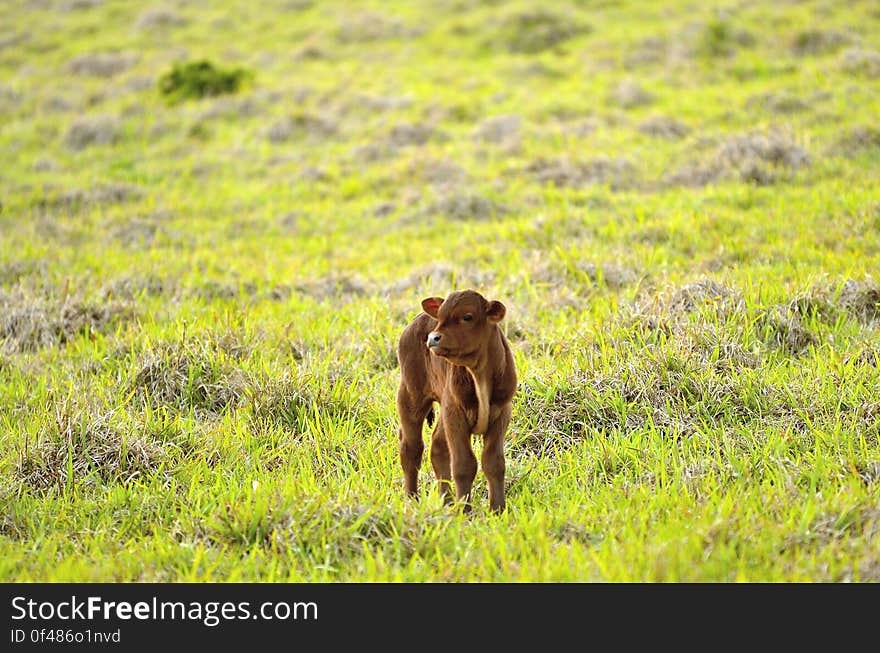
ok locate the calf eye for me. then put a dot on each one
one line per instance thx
(467, 317)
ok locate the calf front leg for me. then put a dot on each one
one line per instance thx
(462, 460)
(492, 458)
(411, 446)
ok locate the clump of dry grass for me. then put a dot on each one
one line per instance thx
(759, 158)
(385, 102)
(579, 127)
(219, 106)
(827, 300)
(682, 362)
(498, 129)
(651, 50)
(859, 299)
(661, 387)
(629, 94)
(86, 131)
(779, 326)
(663, 127)
(695, 295)
(865, 356)
(404, 134)
(195, 375)
(75, 199)
(533, 31)
(783, 328)
(399, 136)
(782, 102)
(101, 64)
(745, 151)
(437, 171)
(815, 41)
(10, 98)
(569, 274)
(855, 140)
(158, 18)
(213, 289)
(291, 401)
(76, 5)
(858, 61)
(82, 445)
(29, 322)
(136, 233)
(15, 271)
(301, 125)
(368, 26)
(618, 173)
(440, 277)
(340, 286)
(464, 204)
(722, 38)
(131, 287)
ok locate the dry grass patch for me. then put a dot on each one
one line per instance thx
(722, 38)
(301, 125)
(696, 295)
(572, 273)
(629, 94)
(815, 41)
(441, 172)
(335, 286)
(783, 328)
(405, 134)
(30, 322)
(103, 129)
(197, 375)
(462, 204)
(367, 27)
(84, 446)
(858, 299)
(73, 200)
(398, 137)
(762, 158)
(159, 18)
(533, 31)
(861, 62)
(439, 278)
(857, 140)
(782, 102)
(663, 127)
(618, 173)
(499, 130)
(293, 401)
(129, 288)
(101, 64)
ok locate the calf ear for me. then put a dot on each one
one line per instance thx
(495, 311)
(432, 305)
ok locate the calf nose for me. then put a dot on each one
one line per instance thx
(433, 339)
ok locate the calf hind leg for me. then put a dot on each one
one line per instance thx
(492, 459)
(462, 459)
(440, 461)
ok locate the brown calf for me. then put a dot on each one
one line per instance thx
(454, 353)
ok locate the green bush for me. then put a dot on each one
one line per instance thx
(198, 79)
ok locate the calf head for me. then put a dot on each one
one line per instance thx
(465, 322)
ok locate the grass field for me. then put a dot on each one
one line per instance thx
(200, 300)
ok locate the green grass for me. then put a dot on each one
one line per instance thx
(199, 302)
